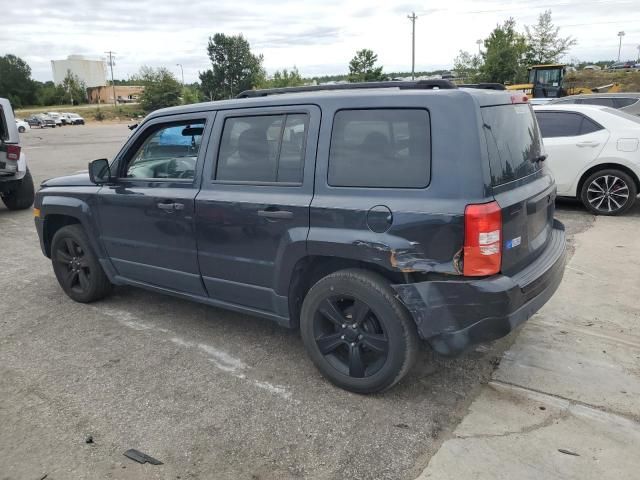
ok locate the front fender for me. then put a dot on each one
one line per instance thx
(80, 207)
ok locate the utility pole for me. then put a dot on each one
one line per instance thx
(620, 34)
(113, 85)
(181, 71)
(638, 47)
(479, 43)
(413, 19)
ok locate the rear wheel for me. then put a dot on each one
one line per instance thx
(76, 266)
(21, 197)
(357, 332)
(608, 192)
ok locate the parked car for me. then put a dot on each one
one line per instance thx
(622, 65)
(592, 67)
(22, 126)
(350, 211)
(47, 121)
(74, 119)
(594, 154)
(16, 184)
(627, 102)
(57, 118)
(35, 121)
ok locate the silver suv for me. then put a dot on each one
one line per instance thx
(625, 102)
(16, 184)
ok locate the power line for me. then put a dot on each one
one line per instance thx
(413, 19)
(113, 85)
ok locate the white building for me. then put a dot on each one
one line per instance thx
(92, 72)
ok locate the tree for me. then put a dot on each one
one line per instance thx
(233, 67)
(284, 78)
(75, 89)
(161, 88)
(504, 55)
(362, 67)
(15, 81)
(545, 45)
(467, 66)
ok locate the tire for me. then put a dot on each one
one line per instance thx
(76, 266)
(608, 192)
(22, 129)
(357, 332)
(22, 197)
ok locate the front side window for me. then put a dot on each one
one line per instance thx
(263, 148)
(387, 148)
(169, 152)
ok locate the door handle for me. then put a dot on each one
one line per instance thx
(587, 144)
(170, 207)
(275, 214)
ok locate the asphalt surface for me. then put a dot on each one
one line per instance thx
(212, 394)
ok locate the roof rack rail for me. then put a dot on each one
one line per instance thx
(417, 85)
(485, 86)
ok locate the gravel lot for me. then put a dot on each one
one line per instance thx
(210, 393)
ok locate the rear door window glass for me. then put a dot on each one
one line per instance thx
(559, 124)
(264, 148)
(589, 126)
(386, 148)
(513, 142)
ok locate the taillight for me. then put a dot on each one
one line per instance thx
(13, 152)
(482, 239)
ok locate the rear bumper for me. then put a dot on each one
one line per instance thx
(453, 315)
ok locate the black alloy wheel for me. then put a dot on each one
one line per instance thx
(357, 332)
(350, 336)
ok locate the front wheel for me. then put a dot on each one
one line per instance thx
(77, 267)
(22, 129)
(608, 192)
(357, 332)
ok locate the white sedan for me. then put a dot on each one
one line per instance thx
(22, 126)
(594, 154)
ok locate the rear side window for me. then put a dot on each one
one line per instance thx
(513, 142)
(386, 148)
(264, 148)
(565, 124)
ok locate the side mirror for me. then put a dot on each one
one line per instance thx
(99, 171)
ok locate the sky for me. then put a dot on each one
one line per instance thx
(319, 37)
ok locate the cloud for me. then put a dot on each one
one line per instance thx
(318, 36)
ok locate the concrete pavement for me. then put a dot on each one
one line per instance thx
(564, 402)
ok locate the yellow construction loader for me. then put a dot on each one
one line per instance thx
(553, 81)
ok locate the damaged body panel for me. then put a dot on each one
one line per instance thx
(452, 315)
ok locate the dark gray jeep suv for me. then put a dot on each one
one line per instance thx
(371, 216)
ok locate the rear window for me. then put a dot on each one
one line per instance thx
(387, 148)
(513, 142)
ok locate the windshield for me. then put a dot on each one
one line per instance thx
(549, 77)
(513, 142)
